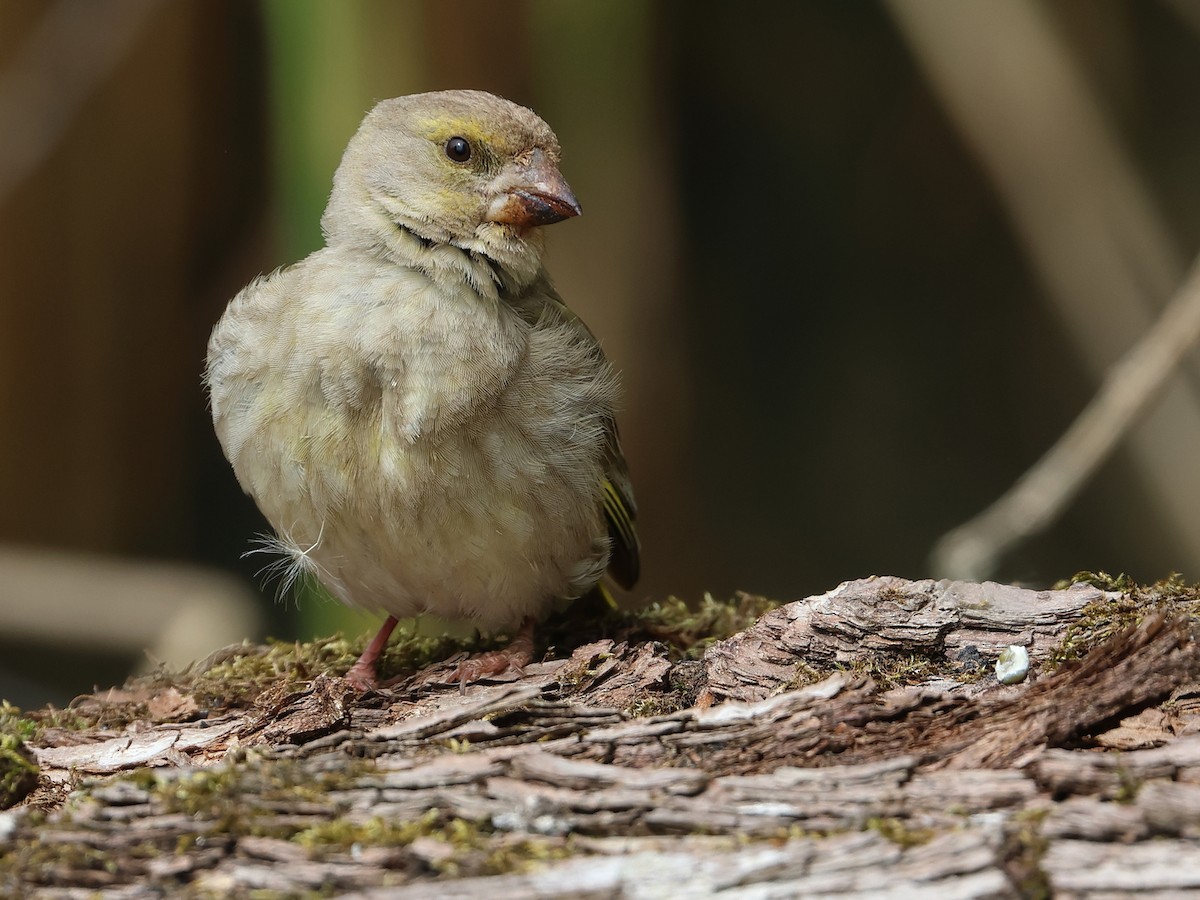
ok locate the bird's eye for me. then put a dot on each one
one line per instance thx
(458, 149)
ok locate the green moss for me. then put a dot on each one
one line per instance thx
(687, 629)
(651, 705)
(806, 674)
(343, 835)
(247, 796)
(1099, 621)
(889, 670)
(32, 862)
(1128, 785)
(1124, 607)
(686, 681)
(233, 679)
(29, 726)
(411, 651)
(473, 848)
(900, 832)
(692, 630)
(1024, 849)
(66, 719)
(219, 801)
(18, 770)
(1101, 579)
(244, 796)
(236, 681)
(13, 722)
(236, 678)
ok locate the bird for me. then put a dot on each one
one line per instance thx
(425, 424)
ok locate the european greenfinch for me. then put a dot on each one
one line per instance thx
(425, 424)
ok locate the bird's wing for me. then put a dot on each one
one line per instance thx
(620, 509)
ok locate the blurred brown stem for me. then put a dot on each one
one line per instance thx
(1104, 254)
(974, 549)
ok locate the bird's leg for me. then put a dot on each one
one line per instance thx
(362, 674)
(517, 655)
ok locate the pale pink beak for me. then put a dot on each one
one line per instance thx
(533, 194)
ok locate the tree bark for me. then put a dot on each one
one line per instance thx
(790, 760)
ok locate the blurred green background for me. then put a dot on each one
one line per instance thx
(860, 264)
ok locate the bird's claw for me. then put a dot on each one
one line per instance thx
(484, 665)
(362, 677)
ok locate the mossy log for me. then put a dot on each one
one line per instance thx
(852, 744)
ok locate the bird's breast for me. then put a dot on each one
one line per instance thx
(431, 363)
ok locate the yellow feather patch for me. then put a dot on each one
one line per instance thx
(618, 513)
(482, 141)
(606, 595)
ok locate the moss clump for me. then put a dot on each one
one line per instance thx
(1128, 785)
(412, 651)
(18, 771)
(651, 705)
(1099, 621)
(1104, 581)
(28, 726)
(900, 832)
(18, 768)
(220, 800)
(31, 862)
(687, 629)
(471, 848)
(343, 835)
(236, 676)
(1123, 607)
(891, 671)
(13, 722)
(805, 675)
(1024, 848)
(692, 630)
(247, 796)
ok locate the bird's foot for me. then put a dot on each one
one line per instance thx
(362, 675)
(516, 656)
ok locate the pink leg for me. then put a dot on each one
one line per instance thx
(362, 673)
(516, 655)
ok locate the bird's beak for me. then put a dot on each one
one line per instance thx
(533, 193)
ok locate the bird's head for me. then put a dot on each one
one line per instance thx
(460, 168)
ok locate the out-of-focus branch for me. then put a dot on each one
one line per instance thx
(1092, 234)
(1075, 198)
(1033, 502)
(1188, 10)
(67, 56)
